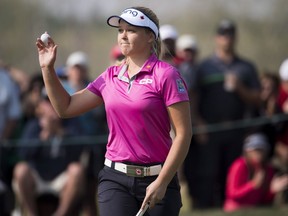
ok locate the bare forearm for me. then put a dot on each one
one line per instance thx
(175, 158)
(58, 96)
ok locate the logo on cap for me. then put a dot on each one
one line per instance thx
(133, 12)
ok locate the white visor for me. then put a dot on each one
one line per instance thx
(134, 17)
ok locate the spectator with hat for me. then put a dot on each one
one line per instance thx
(187, 52)
(251, 180)
(280, 158)
(225, 89)
(169, 34)
(281, 148)
(10, 115)
(283, 94)
(116, 55)
(77, 72)
(77, 67)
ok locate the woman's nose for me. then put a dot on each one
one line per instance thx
(123, 34)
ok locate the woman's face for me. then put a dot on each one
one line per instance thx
(134, 40)
(255, 156)
(267, 88)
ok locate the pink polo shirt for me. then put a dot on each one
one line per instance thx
(137, 116)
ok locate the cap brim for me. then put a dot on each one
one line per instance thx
(113, 21)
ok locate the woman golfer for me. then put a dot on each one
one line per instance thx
(143, 98)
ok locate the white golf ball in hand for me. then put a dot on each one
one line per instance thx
(44, 37)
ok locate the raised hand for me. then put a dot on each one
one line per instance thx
(47, 53)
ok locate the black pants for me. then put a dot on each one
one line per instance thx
(121, 195)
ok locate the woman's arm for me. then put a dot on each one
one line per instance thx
(64, 104)
(181, 121)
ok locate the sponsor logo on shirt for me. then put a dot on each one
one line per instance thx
(146, 81)
(180, 86)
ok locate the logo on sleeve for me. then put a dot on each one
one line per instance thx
(180, 86)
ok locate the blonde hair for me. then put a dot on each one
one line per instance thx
(156, 46)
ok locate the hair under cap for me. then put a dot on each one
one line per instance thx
(134, 17)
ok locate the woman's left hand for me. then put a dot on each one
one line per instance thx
(47, 53)
(154, 194)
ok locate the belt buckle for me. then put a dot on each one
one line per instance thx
(137, 171)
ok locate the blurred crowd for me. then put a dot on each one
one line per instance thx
(238, 156)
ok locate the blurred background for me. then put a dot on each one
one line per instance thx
(81, 25)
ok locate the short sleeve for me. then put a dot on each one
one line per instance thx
(98, 84)
(174, 89)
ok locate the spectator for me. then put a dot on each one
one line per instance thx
(77, 69)
(251, 181)
(280, 159)
(168, 35)
(280, 163)
(116, 55)
(281, 150)
(19, 77)
(270, 84)
(226, 88)
(10, 109)
(187, 51)
(52, 168)
(32, 97)
(283, 94)
(269, 94)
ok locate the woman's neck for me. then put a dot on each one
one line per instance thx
(135, 64)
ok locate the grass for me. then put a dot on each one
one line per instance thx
(250, 212)
(186, 210)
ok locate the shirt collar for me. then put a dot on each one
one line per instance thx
(147, 66)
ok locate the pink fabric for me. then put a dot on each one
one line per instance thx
(240, 191)
(137, 117)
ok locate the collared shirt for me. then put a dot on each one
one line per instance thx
(215, 103)
(136, 108)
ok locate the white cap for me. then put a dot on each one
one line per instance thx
(168, 31)
(77, 58)
(283, 71)
(186, 41)
(256, 141)
(134, 17)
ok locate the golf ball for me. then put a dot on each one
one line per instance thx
(44, 37)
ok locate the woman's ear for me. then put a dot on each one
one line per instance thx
(151, 37)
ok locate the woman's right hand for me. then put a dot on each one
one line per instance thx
(258, 177)
(47, 54)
